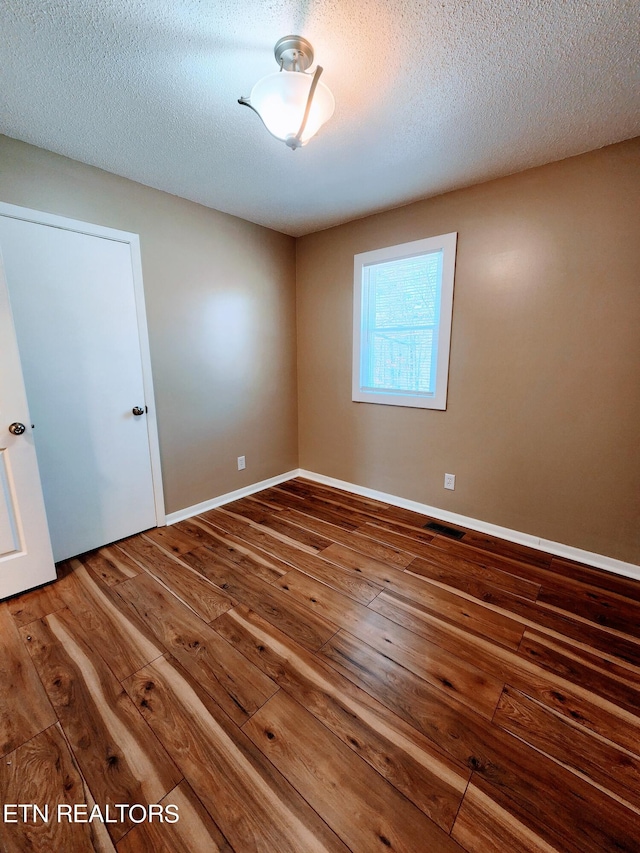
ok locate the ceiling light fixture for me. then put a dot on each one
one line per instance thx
(292, 103)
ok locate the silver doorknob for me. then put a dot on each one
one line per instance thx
(137, 411)
(17, 429)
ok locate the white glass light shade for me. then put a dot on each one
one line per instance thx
(281, 99)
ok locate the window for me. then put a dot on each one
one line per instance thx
(403, 299)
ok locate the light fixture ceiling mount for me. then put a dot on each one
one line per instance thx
(292, 103)
(293, 53)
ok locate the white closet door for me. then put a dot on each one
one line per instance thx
(74, 311)
(25, 551)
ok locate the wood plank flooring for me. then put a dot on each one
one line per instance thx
(307, 670)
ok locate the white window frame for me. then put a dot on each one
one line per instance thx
(437, 400)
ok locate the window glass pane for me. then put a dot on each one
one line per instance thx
(400, 317)
(402, 360)
(405, 292)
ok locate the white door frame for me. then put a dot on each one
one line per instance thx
(133, 241)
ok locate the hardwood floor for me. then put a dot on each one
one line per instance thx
(306, 670)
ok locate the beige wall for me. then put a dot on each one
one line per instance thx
(543, 417)
(220, 295)
(543, 421)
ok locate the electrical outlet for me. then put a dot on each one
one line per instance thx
(450, 481)
(241, 463)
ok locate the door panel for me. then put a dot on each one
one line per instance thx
(25, 551)
(9, 539)
(75, 317)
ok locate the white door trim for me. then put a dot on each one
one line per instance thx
(133, 241)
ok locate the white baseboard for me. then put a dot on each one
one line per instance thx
(190, 511)
(567, 552)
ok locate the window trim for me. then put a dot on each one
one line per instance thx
(445, 243)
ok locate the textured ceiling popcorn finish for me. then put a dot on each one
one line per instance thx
(430, 96)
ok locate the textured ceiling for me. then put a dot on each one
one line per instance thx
(430, 96)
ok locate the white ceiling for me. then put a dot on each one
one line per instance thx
(430, 96)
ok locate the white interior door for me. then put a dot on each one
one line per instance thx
(25, 551)
(74, 309)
